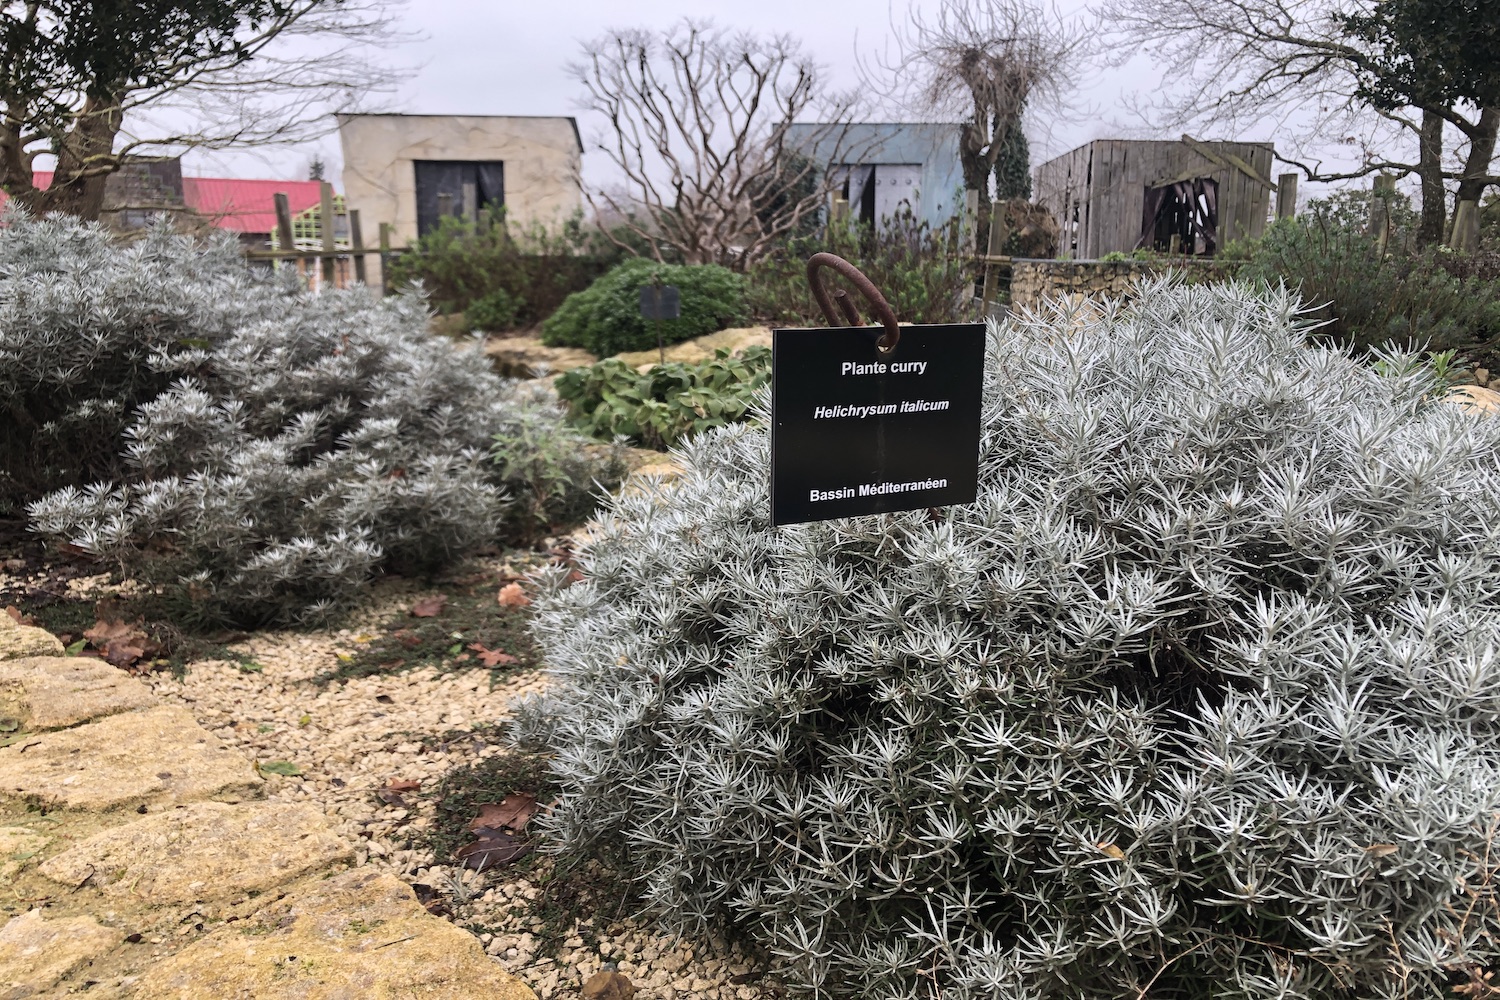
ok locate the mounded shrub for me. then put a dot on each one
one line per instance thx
(922, 272)
(307, 442)
(82, 320)
(1199, 700)
(606, 319)
(1367, 295)
(462, 262)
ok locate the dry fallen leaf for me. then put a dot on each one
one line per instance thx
(1381, 850)
(490, 848)
(390, 794)
(429, 607)
(1111, 850)
(492, 657)
(511, 813)
(17, 617)
(512, 596)
(121, 644)
(407, 638)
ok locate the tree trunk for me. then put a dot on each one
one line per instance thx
(1481, 153)
(1434, 216)
(976, 170)
(85, 159)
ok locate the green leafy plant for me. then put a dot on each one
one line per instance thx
(462, 262)
(664, 405)
(499, 310)
(606, 317)
(1367, 295)
(922, 272)
(1198, 699)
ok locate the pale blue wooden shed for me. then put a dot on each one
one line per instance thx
(879, 167)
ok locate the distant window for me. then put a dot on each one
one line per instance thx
(456, 187)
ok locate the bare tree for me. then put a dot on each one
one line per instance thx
(985, 63)
(700, 132)
(1298, 64)
(90, 83)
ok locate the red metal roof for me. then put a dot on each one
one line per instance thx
(230, 203)
(246, 206)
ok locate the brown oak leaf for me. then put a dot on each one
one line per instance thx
(121, 644)
(429, 607)
(492, 657)
(511, 813)
(512, 596)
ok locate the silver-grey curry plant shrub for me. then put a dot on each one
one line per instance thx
(81, 318)
(305, 442)
(1199, 700)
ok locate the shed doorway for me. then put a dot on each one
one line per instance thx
(1181, 218)
(456, 187)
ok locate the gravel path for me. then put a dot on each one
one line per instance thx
(351, 739)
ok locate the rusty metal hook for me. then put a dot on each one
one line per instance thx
(878, 305)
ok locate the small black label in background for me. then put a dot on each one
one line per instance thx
(857, 432)
(660, 302)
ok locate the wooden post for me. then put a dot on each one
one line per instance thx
(1286, 196)
(997, 244)
(1464, 236)
(325, 223)
(357, 241)
(385, 257)
(284, 240)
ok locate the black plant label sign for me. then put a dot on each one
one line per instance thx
(854, 431)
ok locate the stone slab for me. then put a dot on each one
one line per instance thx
(358, 934)
(36, 953)
(156, 757)
(1474, 397)
(24, 640)
(18, 845)
(52, 692)
(203, 851)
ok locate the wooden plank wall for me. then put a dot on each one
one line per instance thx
(1103, 185)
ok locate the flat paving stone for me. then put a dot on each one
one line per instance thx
(36, 953)
(203, 851)
(156, 757)
(24, 640)
(18, 844)
(52, 692)
(356, 935)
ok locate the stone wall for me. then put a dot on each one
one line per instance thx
(1033, 281)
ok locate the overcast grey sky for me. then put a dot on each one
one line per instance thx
(489, 57)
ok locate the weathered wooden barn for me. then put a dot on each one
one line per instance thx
(1182, 196)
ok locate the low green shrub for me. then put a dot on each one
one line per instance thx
(922, 272)
(499, 310)
(606, 317)
(1366, 296)
(463, 262)
(304, 443)
(664, 405)
(1199, 699)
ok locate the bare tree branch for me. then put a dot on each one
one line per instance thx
(699, 119)
(257, 72)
